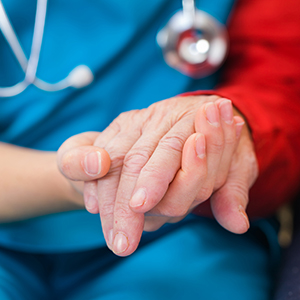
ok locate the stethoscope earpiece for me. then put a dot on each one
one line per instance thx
(193, 42)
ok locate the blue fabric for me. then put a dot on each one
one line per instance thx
(116, 39)
(219, 265)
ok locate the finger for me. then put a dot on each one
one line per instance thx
(90, 196)
(117, 139)
(239, 124)
(188, 181)
(108, 186)
(161, 168)
(230, 140)
(208, 122)
(129, 152)
(91, 187)
(153, 223)
(109, 133)
(228, 205)
(128, 226)
(78, 159)
(230, 201)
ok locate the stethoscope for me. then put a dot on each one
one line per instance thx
(193, 42)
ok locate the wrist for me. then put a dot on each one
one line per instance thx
(32, 185)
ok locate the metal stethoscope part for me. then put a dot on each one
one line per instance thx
(193, 42)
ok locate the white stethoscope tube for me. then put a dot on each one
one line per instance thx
(37, 39)
(188, 8)
(79, 77)
(11, 38)
(197, 55)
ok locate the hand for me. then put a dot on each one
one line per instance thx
(152, 159)
(230, 190)
(80, 162)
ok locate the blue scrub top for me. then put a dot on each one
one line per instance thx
(116, 39)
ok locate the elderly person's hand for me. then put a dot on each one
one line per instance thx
(166, 160)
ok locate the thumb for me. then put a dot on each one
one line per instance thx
(229, 203)
(79, 160)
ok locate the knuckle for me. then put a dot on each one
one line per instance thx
(124, 116)
(230, 140)
(204, 193)
(173, 142)
(106, 211)
(152, 170)
(165, 104)
(135, 159)
(124, 119)
(122, 212)
(179, 213)
(217, 145)
(115, 125)
(116, 159)
(220, 181)
(131, 116)
(239, 189)
(156, 174)
(151, 226)
(153, 223)
(173, 211)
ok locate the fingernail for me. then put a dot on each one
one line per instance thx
(238, 129)
(212, 114)
(110, 239)
(239, 123)
(139, 198)
(219, 101)
(92, 163)
(120, 243)
(200, 145)
(90, 202)
(226, 111)
(243, 213)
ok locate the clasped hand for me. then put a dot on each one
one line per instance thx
(155, 165)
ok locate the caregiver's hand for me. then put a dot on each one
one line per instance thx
(80, 161)
(165, 161)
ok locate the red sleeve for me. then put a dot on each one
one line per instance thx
(262, 78)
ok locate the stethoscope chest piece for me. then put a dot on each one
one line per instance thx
(196, 45)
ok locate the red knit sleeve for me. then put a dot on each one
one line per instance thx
(262, 78)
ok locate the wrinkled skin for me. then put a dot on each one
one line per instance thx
(165, 160)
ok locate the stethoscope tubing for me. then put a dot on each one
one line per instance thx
(78, 77)
(28, 66)
(82, 75)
